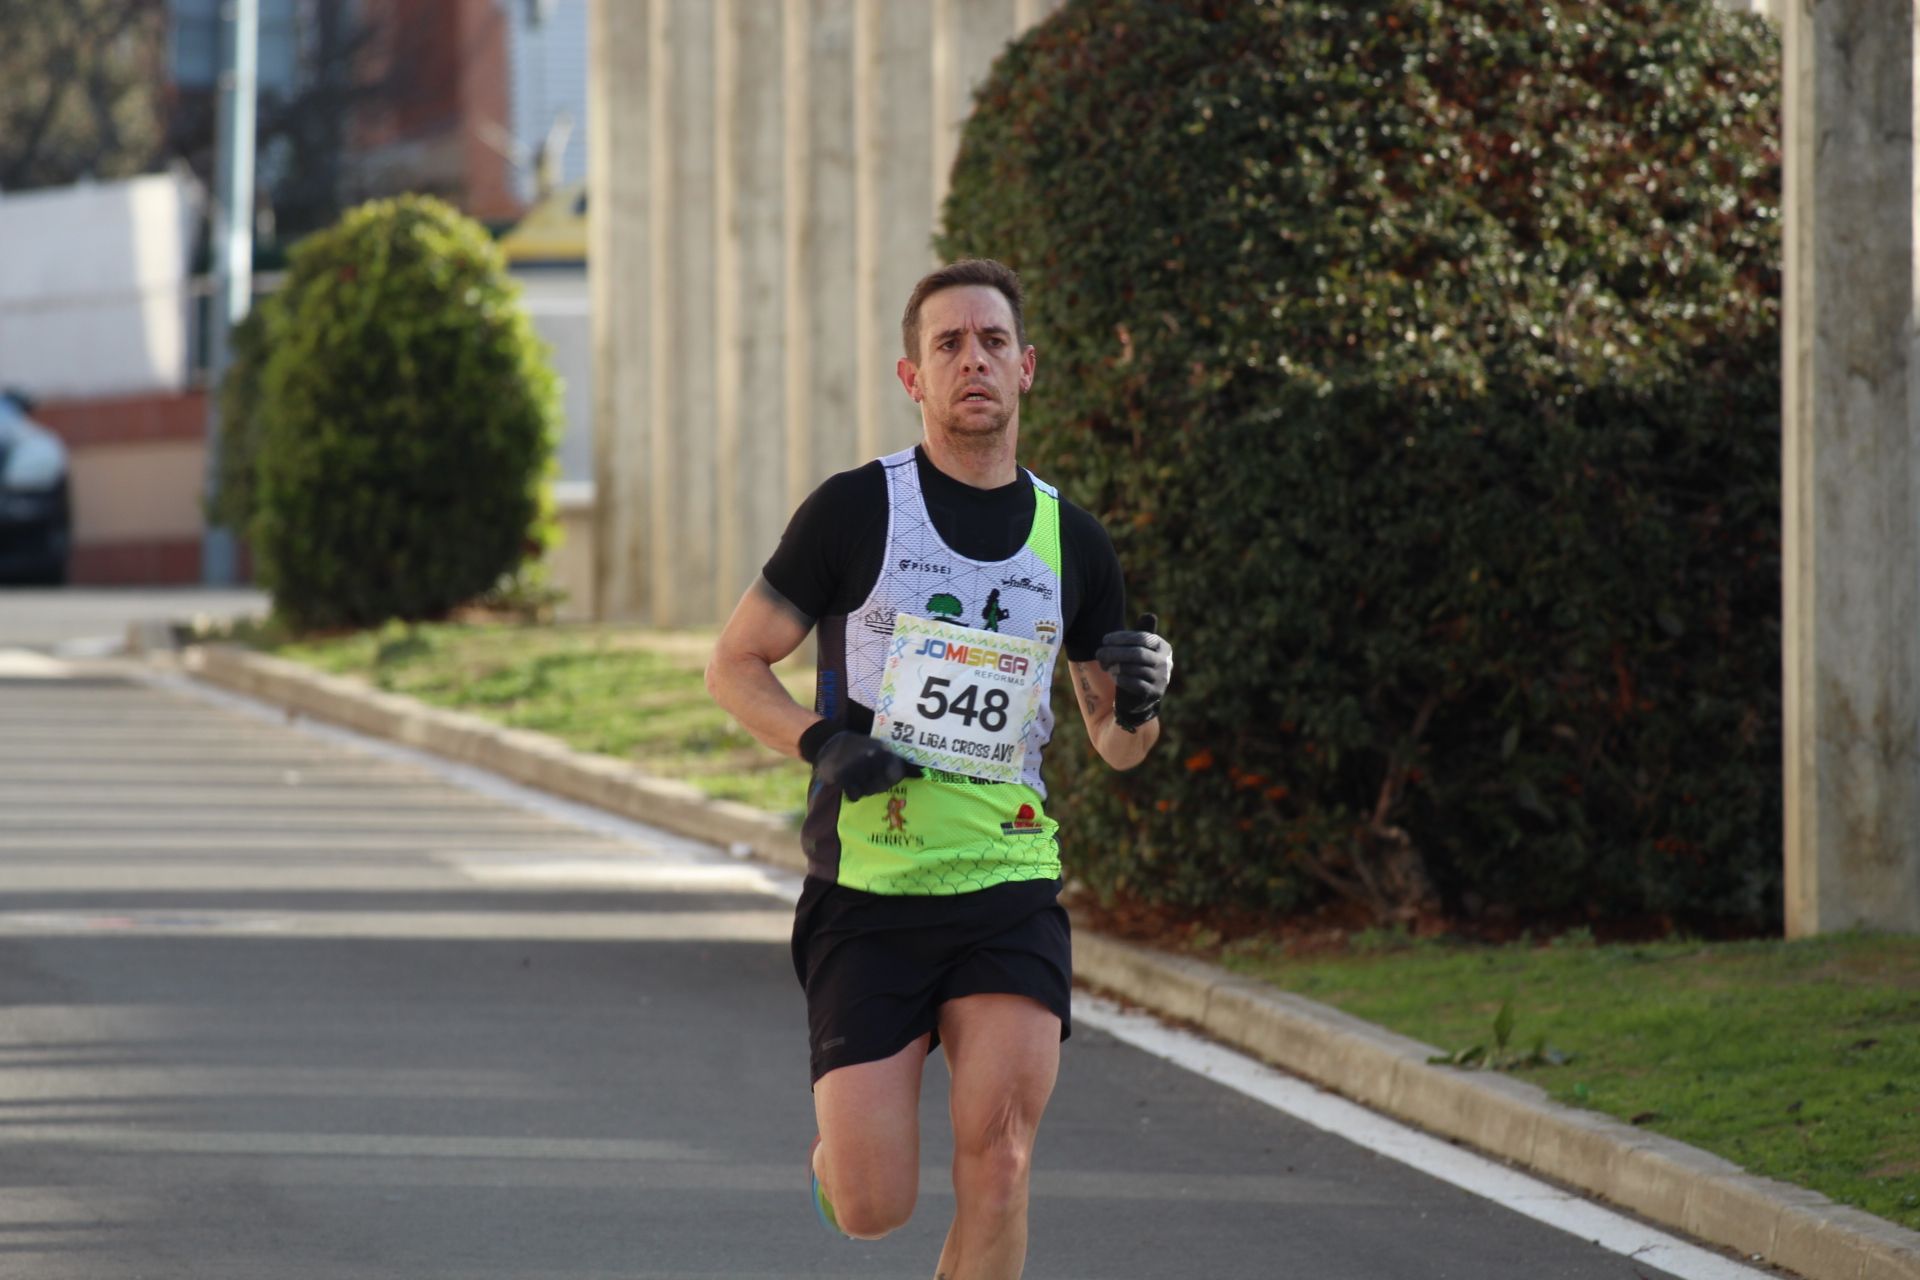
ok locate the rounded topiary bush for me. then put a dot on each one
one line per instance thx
(238, 396)
(407, 419)
(1422, 359)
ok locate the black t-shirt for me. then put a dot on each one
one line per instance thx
(829, 557)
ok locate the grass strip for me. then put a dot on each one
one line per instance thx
(1796, 1060)
(621, 692)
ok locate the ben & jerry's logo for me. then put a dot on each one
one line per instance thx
(894, 833)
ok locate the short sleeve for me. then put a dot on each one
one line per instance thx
(818, 561)
(1101, 597)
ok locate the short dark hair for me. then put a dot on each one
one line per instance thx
(996, 275)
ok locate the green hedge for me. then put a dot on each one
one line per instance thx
(232, 504)
(1422, 360)
(407, 420)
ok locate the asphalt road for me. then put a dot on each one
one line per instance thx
(93, 621)
(274, 1007)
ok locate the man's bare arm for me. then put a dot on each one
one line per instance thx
(765, 627)
(1094, 688)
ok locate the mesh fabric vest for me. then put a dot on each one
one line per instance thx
(943, 833)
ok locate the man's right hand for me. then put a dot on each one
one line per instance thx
(861, 766)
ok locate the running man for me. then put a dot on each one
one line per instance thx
(930, 914)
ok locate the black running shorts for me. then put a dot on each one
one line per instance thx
(877, 967)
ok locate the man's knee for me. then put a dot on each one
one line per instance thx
(868, 1211)
(992, 1168)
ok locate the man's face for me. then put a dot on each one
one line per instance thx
(972, 369)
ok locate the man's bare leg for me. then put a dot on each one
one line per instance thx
(869, 1154)
(1004, 1051)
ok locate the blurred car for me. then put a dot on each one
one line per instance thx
(36, 520)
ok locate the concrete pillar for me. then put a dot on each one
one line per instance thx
(750, 384)
(680, 191)
(821, 305)
(621, 287)
(893, 190)
(766, 179)
(1028, 14)
(1851, 469)
(967, 36)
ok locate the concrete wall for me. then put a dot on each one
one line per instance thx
(94, 324)
(556, 302)
(137, 465)
(93, 287)
(766, 181)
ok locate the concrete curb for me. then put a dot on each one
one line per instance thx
(1662, 1180)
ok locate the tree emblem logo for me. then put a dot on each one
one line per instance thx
(946, 606)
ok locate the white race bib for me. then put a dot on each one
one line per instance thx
(960, 700)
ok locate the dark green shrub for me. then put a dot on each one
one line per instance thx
(1422, 359)
(408, 419)
(232, 504)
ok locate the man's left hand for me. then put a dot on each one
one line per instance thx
(1141, 664)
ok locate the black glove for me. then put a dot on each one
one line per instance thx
(860, 766)
(1140, 663)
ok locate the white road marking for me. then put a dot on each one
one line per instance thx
(121, 1139)
(774, 925)
(654, 872)
(1456, 1166)
(25, 664)
(1476, 1174)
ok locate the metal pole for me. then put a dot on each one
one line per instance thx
(232, 242)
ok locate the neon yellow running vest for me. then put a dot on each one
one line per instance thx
(943, 833)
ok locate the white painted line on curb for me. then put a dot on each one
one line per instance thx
(1437, 1159)
(1475, 1174)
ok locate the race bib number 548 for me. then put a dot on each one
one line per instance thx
(960, 700)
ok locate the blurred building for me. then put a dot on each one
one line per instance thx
(103, 323)
(547, 52)
(369, 98)
(94, 324)
(193, 45)
(439, 120)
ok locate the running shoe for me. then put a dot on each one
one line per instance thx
(821, 1205)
